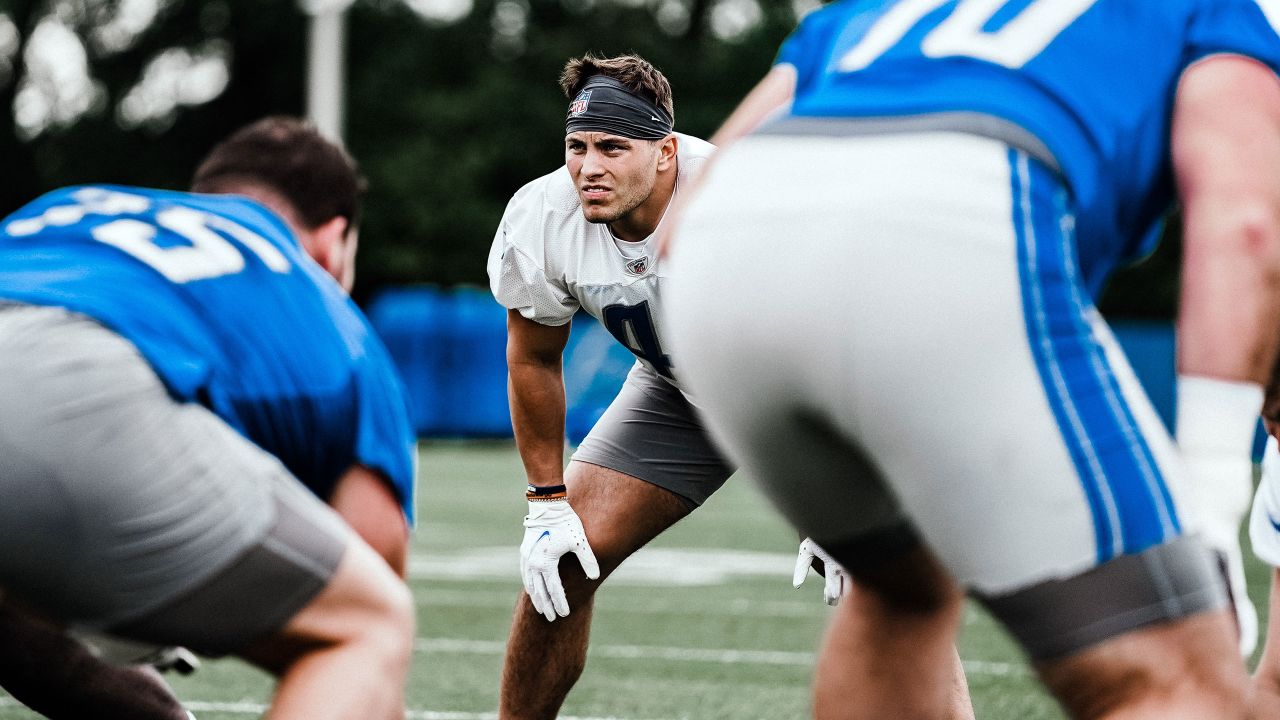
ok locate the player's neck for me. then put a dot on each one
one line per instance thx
(641, 222)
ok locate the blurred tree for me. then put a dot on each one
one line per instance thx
(452, 104)
(453, 119)
(446, 118)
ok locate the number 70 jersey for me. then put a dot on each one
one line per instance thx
(1091, 81)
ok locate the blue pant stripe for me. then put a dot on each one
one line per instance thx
(1127, 494)
(1037, 319)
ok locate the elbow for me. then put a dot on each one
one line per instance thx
(1258, 233)
(1258, 229)
(1250, 229)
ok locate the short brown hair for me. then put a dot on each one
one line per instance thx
(633, 71)
(289, 157)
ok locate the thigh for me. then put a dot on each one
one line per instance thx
(120, 502)
(1191, 665)
(651, 432)
(620, 513)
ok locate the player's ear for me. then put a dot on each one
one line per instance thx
(667, 149)
(329, 248)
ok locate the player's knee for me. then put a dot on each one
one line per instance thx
(1091, 696)
(365, 608)
(1164, 667)
(392, 623)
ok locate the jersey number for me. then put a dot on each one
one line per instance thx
(207, 254)
(1017, 41)
(632, 325)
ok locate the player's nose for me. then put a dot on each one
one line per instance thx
(593, 165)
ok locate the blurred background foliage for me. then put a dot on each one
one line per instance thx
(451, 105)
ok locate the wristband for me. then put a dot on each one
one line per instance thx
(550, 492)
(1217, 415)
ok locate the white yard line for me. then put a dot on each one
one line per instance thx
(437, 597)
(726, 657)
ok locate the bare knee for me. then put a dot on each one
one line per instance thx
(364, 609)
(1185, 669)
(392, 625)
(620, 514)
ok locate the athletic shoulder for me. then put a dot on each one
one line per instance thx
(543, 206)
(692, 155)
(532, 246)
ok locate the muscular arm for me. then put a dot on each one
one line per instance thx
(536, 392)
(1226, 152)
(365, 500)
(773, 93)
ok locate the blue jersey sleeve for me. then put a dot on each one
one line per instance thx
(792, 50)
(798, 49)
(384, 436)
(1240, 27)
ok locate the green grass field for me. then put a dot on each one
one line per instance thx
(704, 625)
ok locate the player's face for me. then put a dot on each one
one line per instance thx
(614, 174)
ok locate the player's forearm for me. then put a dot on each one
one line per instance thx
(1226, 154)
(536, 393)
(1229, 324)
(769, 97)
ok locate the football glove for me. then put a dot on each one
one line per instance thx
(1215, 422)
(837, 578)
(1221, 492)
(552, 530)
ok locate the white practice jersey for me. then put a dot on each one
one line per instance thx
(547, 261)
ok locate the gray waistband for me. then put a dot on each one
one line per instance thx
(963, 122)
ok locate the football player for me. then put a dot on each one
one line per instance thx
(183, 378)
(584, 238)
(940, 190)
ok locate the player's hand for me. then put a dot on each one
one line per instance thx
(1221, 488)
(552, 530)
(837, 578)
(1215, 426)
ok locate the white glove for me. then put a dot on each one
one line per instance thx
(1221, 488)
(552, 530)
(1215, 433)
(837, 577)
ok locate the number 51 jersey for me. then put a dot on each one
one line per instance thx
(1091, 81)
(221, 301)
(547, 261)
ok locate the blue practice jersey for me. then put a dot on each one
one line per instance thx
(217, 295)
(1093, 80)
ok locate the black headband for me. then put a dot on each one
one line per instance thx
(606, 105)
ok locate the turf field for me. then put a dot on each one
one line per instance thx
(703, 626)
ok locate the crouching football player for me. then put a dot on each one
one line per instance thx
(181, 382)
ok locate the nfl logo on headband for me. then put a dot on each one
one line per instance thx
(579, 104)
